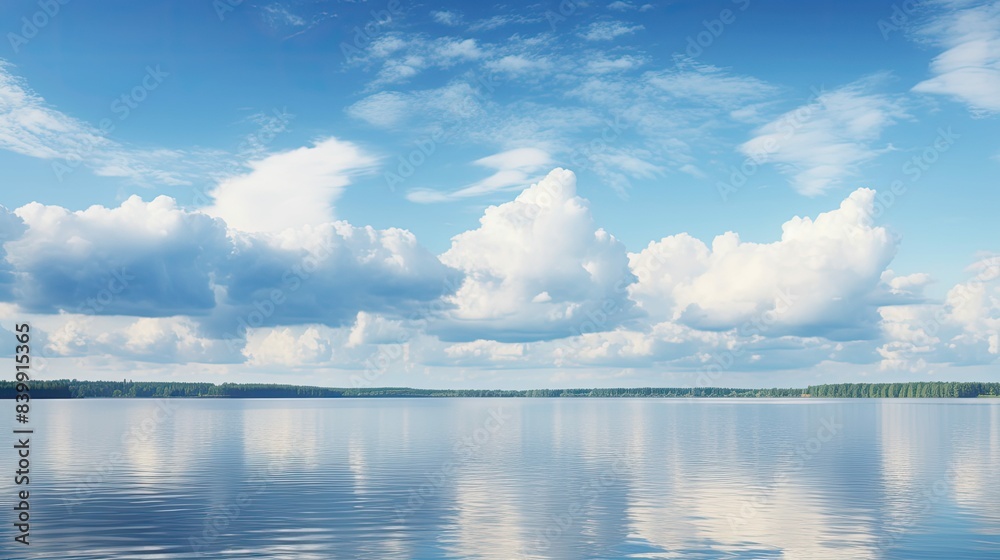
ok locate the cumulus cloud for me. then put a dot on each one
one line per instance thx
(289, 189)
(908, 285)
(823, 277)
(11, 228)
(485, 351)
(148, 259)
(159, 340)
(823, 142)
(969, 69)
(964, 329)
(325, 275)
(370, 328)
(537, 267)
(287, 347)
(173, 262)
(537, 285)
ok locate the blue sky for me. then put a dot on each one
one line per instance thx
(520, 195)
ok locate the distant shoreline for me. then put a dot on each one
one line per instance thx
(74, 389)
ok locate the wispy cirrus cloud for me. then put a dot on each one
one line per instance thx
(513, 169)
(400, 58)
(969, 69)
(622, 6)
(826, 140)
(609, 30)
(709, 84)
(32, 127)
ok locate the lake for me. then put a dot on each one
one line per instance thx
(510, 478)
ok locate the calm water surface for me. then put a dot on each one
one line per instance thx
(511, 478)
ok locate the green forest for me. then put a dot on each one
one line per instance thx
(906, 390)
(73, 389)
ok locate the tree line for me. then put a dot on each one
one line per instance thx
(73, 389)
(913, 390)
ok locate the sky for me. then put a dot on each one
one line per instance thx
(744, 193)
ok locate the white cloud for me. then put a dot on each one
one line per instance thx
(447, 17)
(161, 339)
(287, 347)
(822, 278)
(609, 30)
(706, 83)
(384, 109)
(969, 69)
(522, 65)
(278, 14)
(437, 109)
(289, 189)
(30, 126)
(11, 227)
(147, 259)
(620, 6)
(962, 330)
(825, 141)
(502, 20)
(602, 64)
(514, 168)
(402, 58)
(543, 287)
(543, 242)
(176, 262)
(666, 113)
(480, 351)
(325, 275)
(375, 329)
(909, 285)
